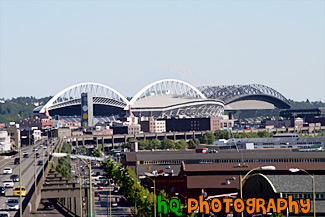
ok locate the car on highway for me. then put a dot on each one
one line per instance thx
(17, 160)
(37, 155)
(7, 170)
(20, 191)
(40, 162)
(116, 189)
(8, 183)
(4, 214)
(12, 204)
(14, 177)
(122, 200)
(25, 154)
(48, 205)
(35, 149)
(114, 203)
(97, 177)
(2, 191)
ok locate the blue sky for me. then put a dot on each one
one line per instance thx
(46, 46)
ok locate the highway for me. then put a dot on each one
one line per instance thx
(27, 168)
(120, 138)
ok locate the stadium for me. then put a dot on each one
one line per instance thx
(165, 99)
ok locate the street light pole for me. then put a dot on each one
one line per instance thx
(43, 161)
(135, 204)
(109, 195)
(90, 183)
(90, 189)
(110, 199)
(80, 196)
(241, 179)
(35, 151)
(154, 193)
(294, 170)
(81, 182)
(90, 178)
(20, 202)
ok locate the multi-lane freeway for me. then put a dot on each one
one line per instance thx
(27, 170)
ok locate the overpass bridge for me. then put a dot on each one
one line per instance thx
(111, 140)
(28, 173)
(69, 192)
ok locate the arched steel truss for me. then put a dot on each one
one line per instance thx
(168, 86)
(233, 93)
(102, 94)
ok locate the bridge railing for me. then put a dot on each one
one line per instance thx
(30, 195)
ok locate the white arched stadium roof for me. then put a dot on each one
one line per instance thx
(74, 92)
(177, 86)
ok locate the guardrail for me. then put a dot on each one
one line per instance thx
(31, 191)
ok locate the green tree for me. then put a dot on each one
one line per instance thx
(207, 138)
(126, 145)
(191, 144)
(155, 144)
(109, 166)
(97, 153)
(181, 144)
(264, 134)
(64, 163)
(168, 144)
(83, 151)
(221, 134)
(144, 144)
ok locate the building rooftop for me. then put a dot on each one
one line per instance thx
(213, 181)
(319, 166)
(183, 155)
(163, 101)
(297, 183)
(279, 140)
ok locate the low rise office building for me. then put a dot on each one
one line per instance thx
(187, 172)
(5, 144)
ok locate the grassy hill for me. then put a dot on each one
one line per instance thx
(19, 108)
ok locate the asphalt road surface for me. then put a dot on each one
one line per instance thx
(102, 206)
(27, 168)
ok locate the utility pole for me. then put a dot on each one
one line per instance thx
(20, 200)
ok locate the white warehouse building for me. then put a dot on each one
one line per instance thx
(4, 141)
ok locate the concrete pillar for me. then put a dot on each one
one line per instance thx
(174, 137)
(77, 205)
(103, 143)
(185, 136)
(87, 201)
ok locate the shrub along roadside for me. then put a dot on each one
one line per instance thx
(64, 163)
(133, 190)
